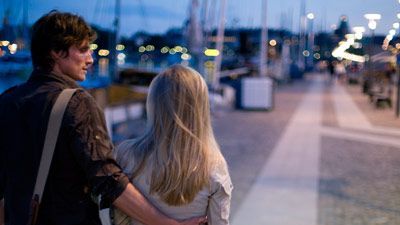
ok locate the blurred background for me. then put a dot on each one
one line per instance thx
(304, 94)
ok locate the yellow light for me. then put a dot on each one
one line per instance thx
(150, 48)
(211, 52)
(164, 49)
(93, 46)
(272, 42)
(178, 48)
(185, 56)
(142, 49)
(5, 43)
(103, 52)
(120, 47)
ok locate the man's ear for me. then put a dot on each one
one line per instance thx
(55, 55)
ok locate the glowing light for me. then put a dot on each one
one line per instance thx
(184, 50)
(272, 42)
(310, 16)
(372, 24)
(93, 46)
(211, 52)
(359, 29)
(185, 56)
(164, 49)
(172, 51)
(5, 43)
(392, 32)
(398, 45)
(178, 48)
(120, 47)
(350, 38)
(121, 56)
(13, 48)
(398, 15)
(396, 25)
(142, 49)
(103, 52)
(306, 53)
(372, 16)
(317, 56)
(150, 48)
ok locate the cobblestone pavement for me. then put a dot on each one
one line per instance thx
(358, 169)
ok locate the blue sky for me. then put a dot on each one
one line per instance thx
(158, 15)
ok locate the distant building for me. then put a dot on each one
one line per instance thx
(343, 28)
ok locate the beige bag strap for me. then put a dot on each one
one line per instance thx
(53, 128)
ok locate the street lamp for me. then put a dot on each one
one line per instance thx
(372, 18)
(310, 40)
(358, 31)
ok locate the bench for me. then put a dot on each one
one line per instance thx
(381, 95)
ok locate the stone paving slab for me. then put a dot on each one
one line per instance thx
(286, 190)
(359, 183)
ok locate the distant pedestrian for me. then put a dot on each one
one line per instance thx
(177, 163)
(331, 69)
(340, 71)
(82, 165)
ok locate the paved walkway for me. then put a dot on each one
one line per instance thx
(286, 191)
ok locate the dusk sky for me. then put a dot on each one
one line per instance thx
(158, 16)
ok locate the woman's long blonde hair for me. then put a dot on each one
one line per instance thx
(178, 145)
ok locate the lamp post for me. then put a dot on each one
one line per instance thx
(372, 18)
(310, 40)
(264, 40)
(372, 22)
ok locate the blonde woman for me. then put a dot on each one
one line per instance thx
(177, 163)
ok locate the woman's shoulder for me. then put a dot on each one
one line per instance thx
(124, 154)
(219, 174)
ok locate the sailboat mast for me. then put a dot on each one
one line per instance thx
(114, 42)
(263, 41)
(219, 44)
